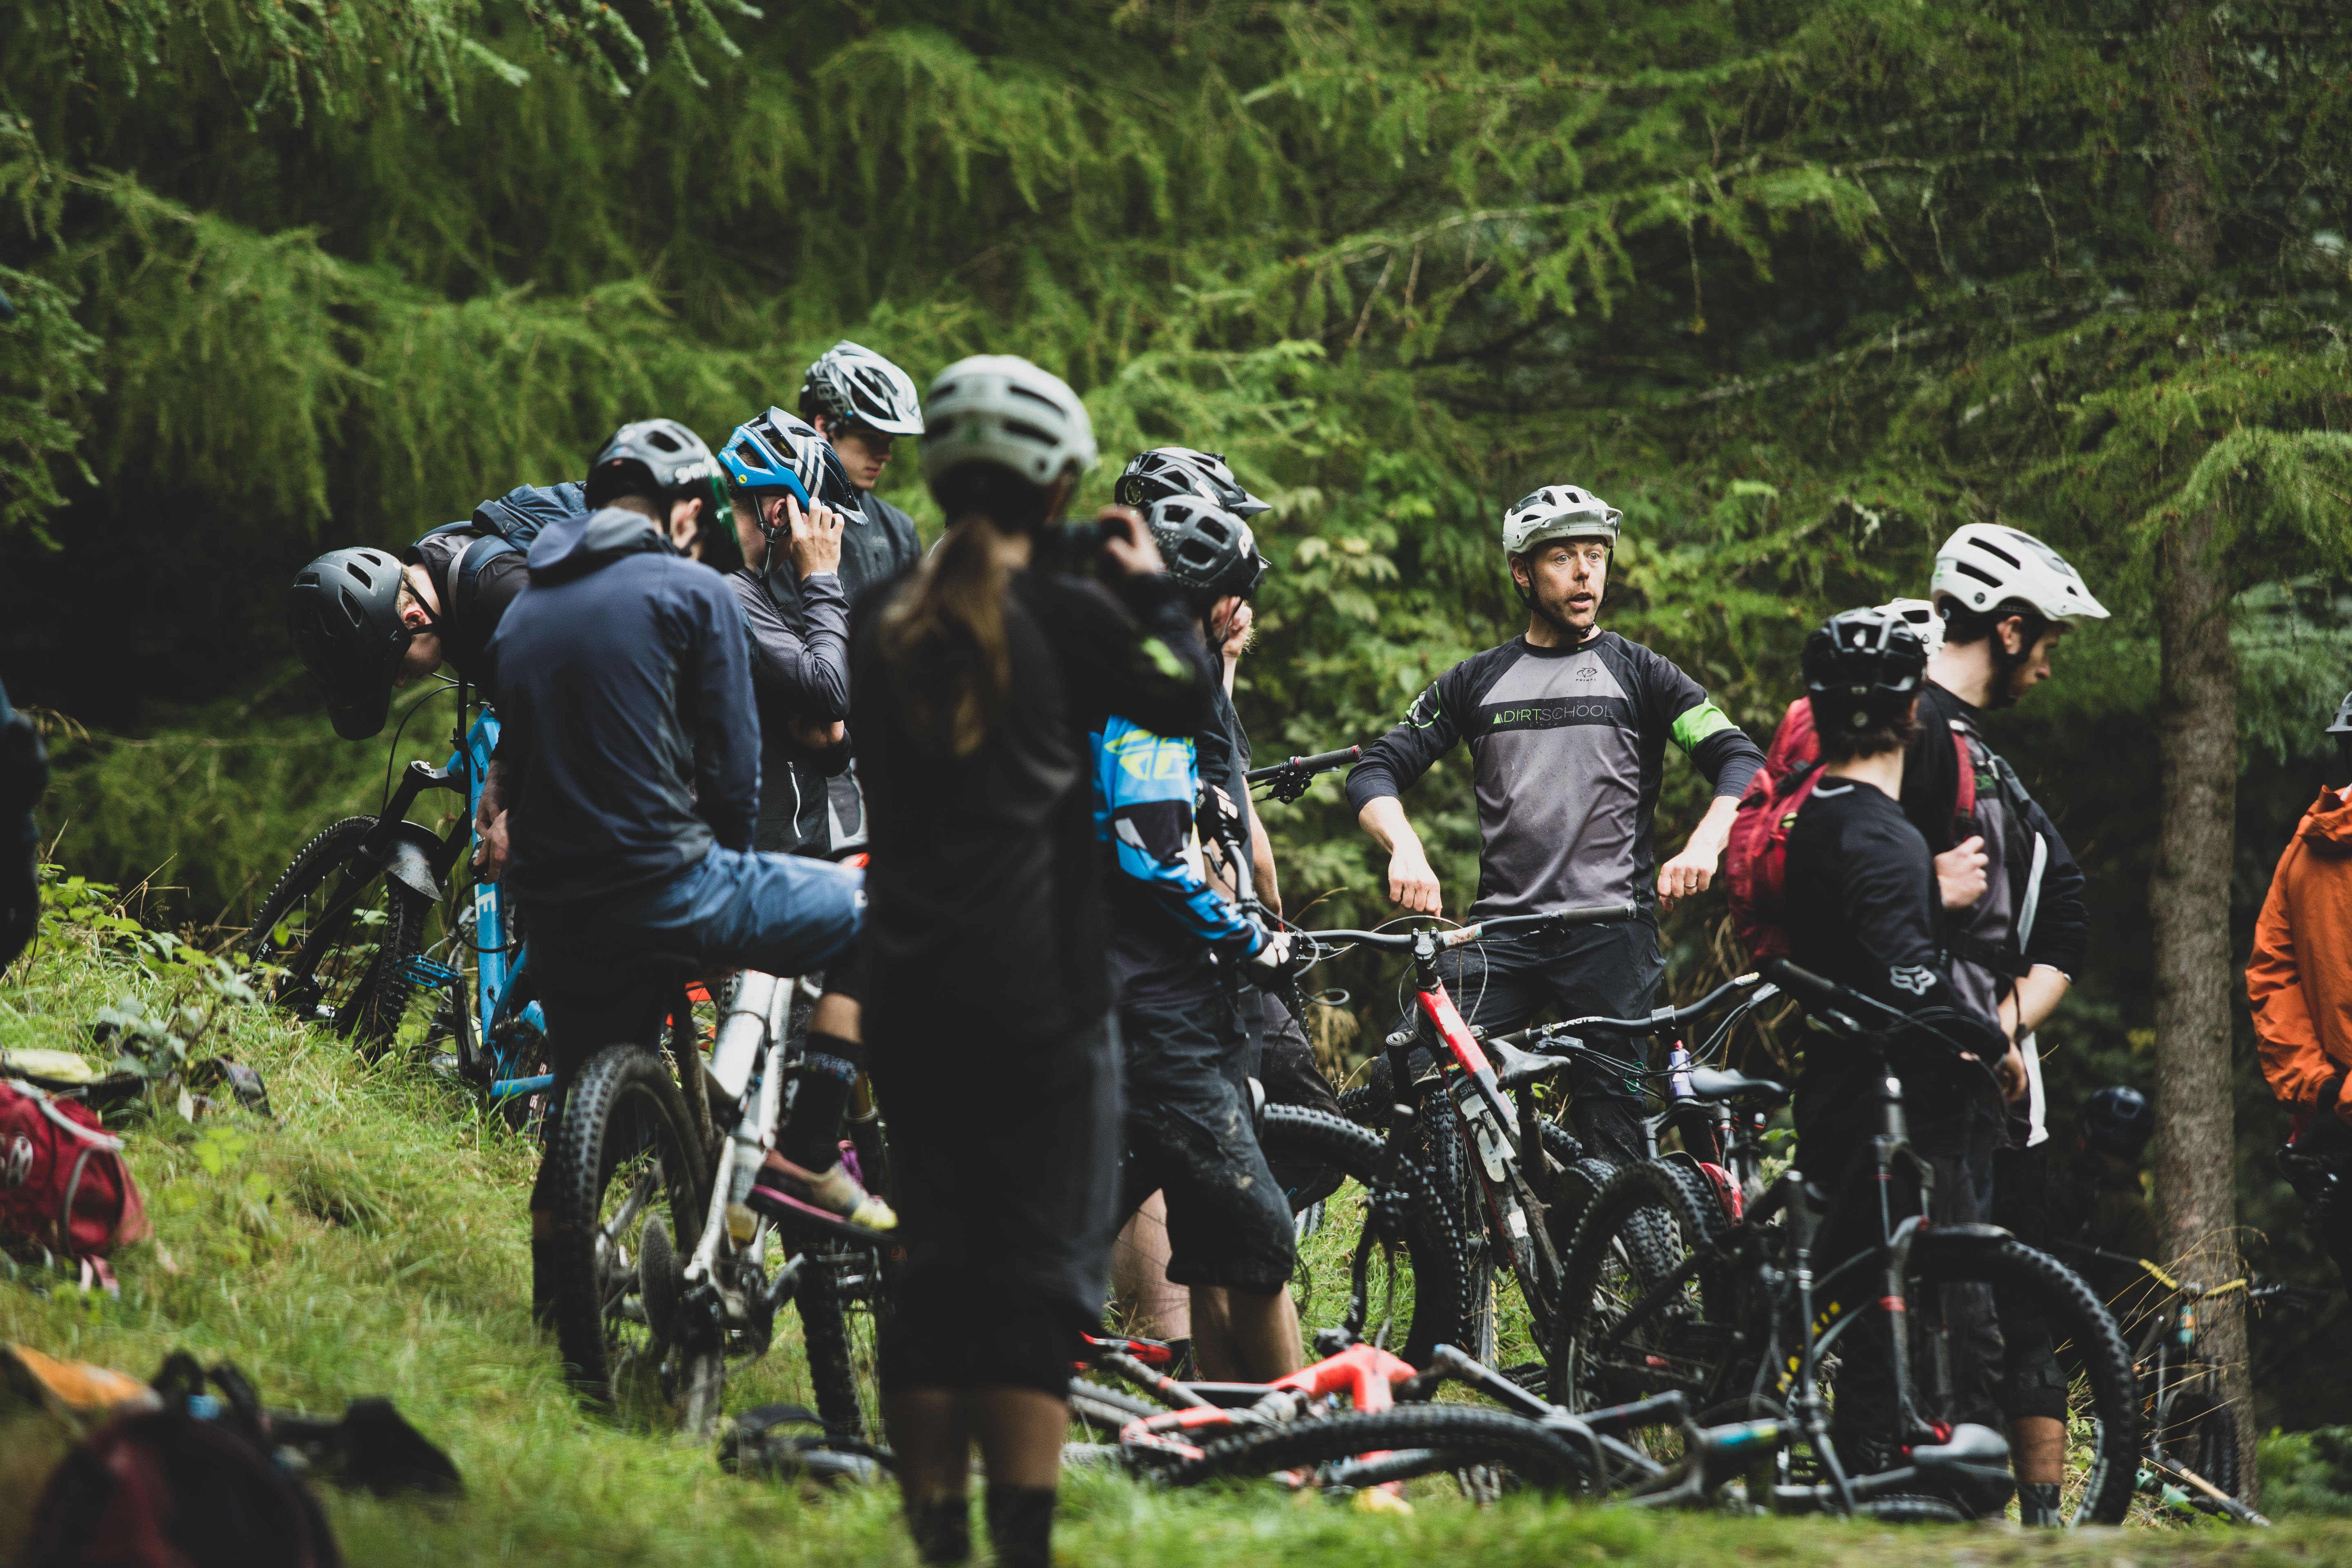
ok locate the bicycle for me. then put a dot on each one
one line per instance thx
(2190, 1460)
(640, 1159)
(1661, 1292)
(344, 929)
(1470, 1087)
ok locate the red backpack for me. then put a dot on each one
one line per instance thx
(63, 1184)
(1756, 859)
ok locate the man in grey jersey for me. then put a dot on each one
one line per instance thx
(1568, 727)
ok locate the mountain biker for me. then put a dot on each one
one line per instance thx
(1287, 1067)
(2017, 928)
(625, 689)
(2299, 978)
(24, 773)
(1863, 909)
(860, 402)
(1568, 727)
(2096, 1200)
(976, 680)
(1177, 952)
(787, 490)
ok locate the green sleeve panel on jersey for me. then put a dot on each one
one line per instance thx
(1697, 723)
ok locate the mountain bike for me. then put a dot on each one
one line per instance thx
(664, 1267)
(1661, 1292)
(1518, 1210)
(2190, 1459)
(346, 929)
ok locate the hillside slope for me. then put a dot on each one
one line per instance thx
(370, 1241)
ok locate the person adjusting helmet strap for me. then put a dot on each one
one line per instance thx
(790, 493)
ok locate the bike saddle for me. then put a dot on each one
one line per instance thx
(1722, 1083)
(1514, 1067)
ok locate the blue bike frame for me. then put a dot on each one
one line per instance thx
(509, 1036)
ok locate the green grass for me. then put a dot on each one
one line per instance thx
(371, 1241)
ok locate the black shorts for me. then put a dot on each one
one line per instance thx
(1190, 1135)
(1291, 1076)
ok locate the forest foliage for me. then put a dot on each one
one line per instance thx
(1799, 284)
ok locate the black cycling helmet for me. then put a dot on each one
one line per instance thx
(1863, 669)
(1165, 471)
(343, 613)
(2118, 1121)
(1210, 553)
(655, 457)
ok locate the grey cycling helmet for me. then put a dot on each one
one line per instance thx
(1558, 511)
(343, 613)
(1926, 621)
(1209, 551)
(1165, 471)
(852, 384)
(655, 457)
(1863, 670)
(1002, 409)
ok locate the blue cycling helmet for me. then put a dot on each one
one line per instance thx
(2118, 1121)
(781, 451)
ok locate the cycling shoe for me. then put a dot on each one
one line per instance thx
(785, 1191)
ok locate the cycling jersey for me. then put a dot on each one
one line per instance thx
(797, 675)
(1168, 925)
(1861, 896)
(1568, 748)
(627, 688)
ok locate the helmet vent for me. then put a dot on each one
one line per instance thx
(1970, 569)
(1998, 553)
(353, 608)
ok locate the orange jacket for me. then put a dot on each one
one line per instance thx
(2299, 976)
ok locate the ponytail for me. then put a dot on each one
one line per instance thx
(942, 642)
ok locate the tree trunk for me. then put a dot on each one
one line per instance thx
(2196, 1192)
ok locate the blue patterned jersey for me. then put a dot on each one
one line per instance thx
(1169, 927)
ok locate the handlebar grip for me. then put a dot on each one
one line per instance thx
(1321, 762)
(1802, 983)
(1596, 914)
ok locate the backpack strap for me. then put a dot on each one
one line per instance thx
(465, 569)
(1963, 804)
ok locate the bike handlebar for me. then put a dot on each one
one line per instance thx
(1663, 1018)
(1403, 941)
(1321, 762)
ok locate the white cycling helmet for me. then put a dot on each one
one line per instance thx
(1558, 511)
(852, 384)
(1924, 618)
(1000, 408)
(1985, 564)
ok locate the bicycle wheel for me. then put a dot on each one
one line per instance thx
(1435, 1438)
(349, 973)
(2197, 1430)
(622, 1160)
(844, 1302)
(1420, 1260)
(2098, 1488)
(1635, 1299)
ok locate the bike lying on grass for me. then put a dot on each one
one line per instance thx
(1749, 1323)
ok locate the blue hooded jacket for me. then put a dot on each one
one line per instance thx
(625, 685)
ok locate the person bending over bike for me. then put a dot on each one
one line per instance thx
(860, 404)
(976, 681)
(365, 624)
(1177, 949)
(2300, 981)
(1863, 909)
(626, 687)
(2017, 927)
(1568, 727)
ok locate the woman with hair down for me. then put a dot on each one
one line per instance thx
(977, 679)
